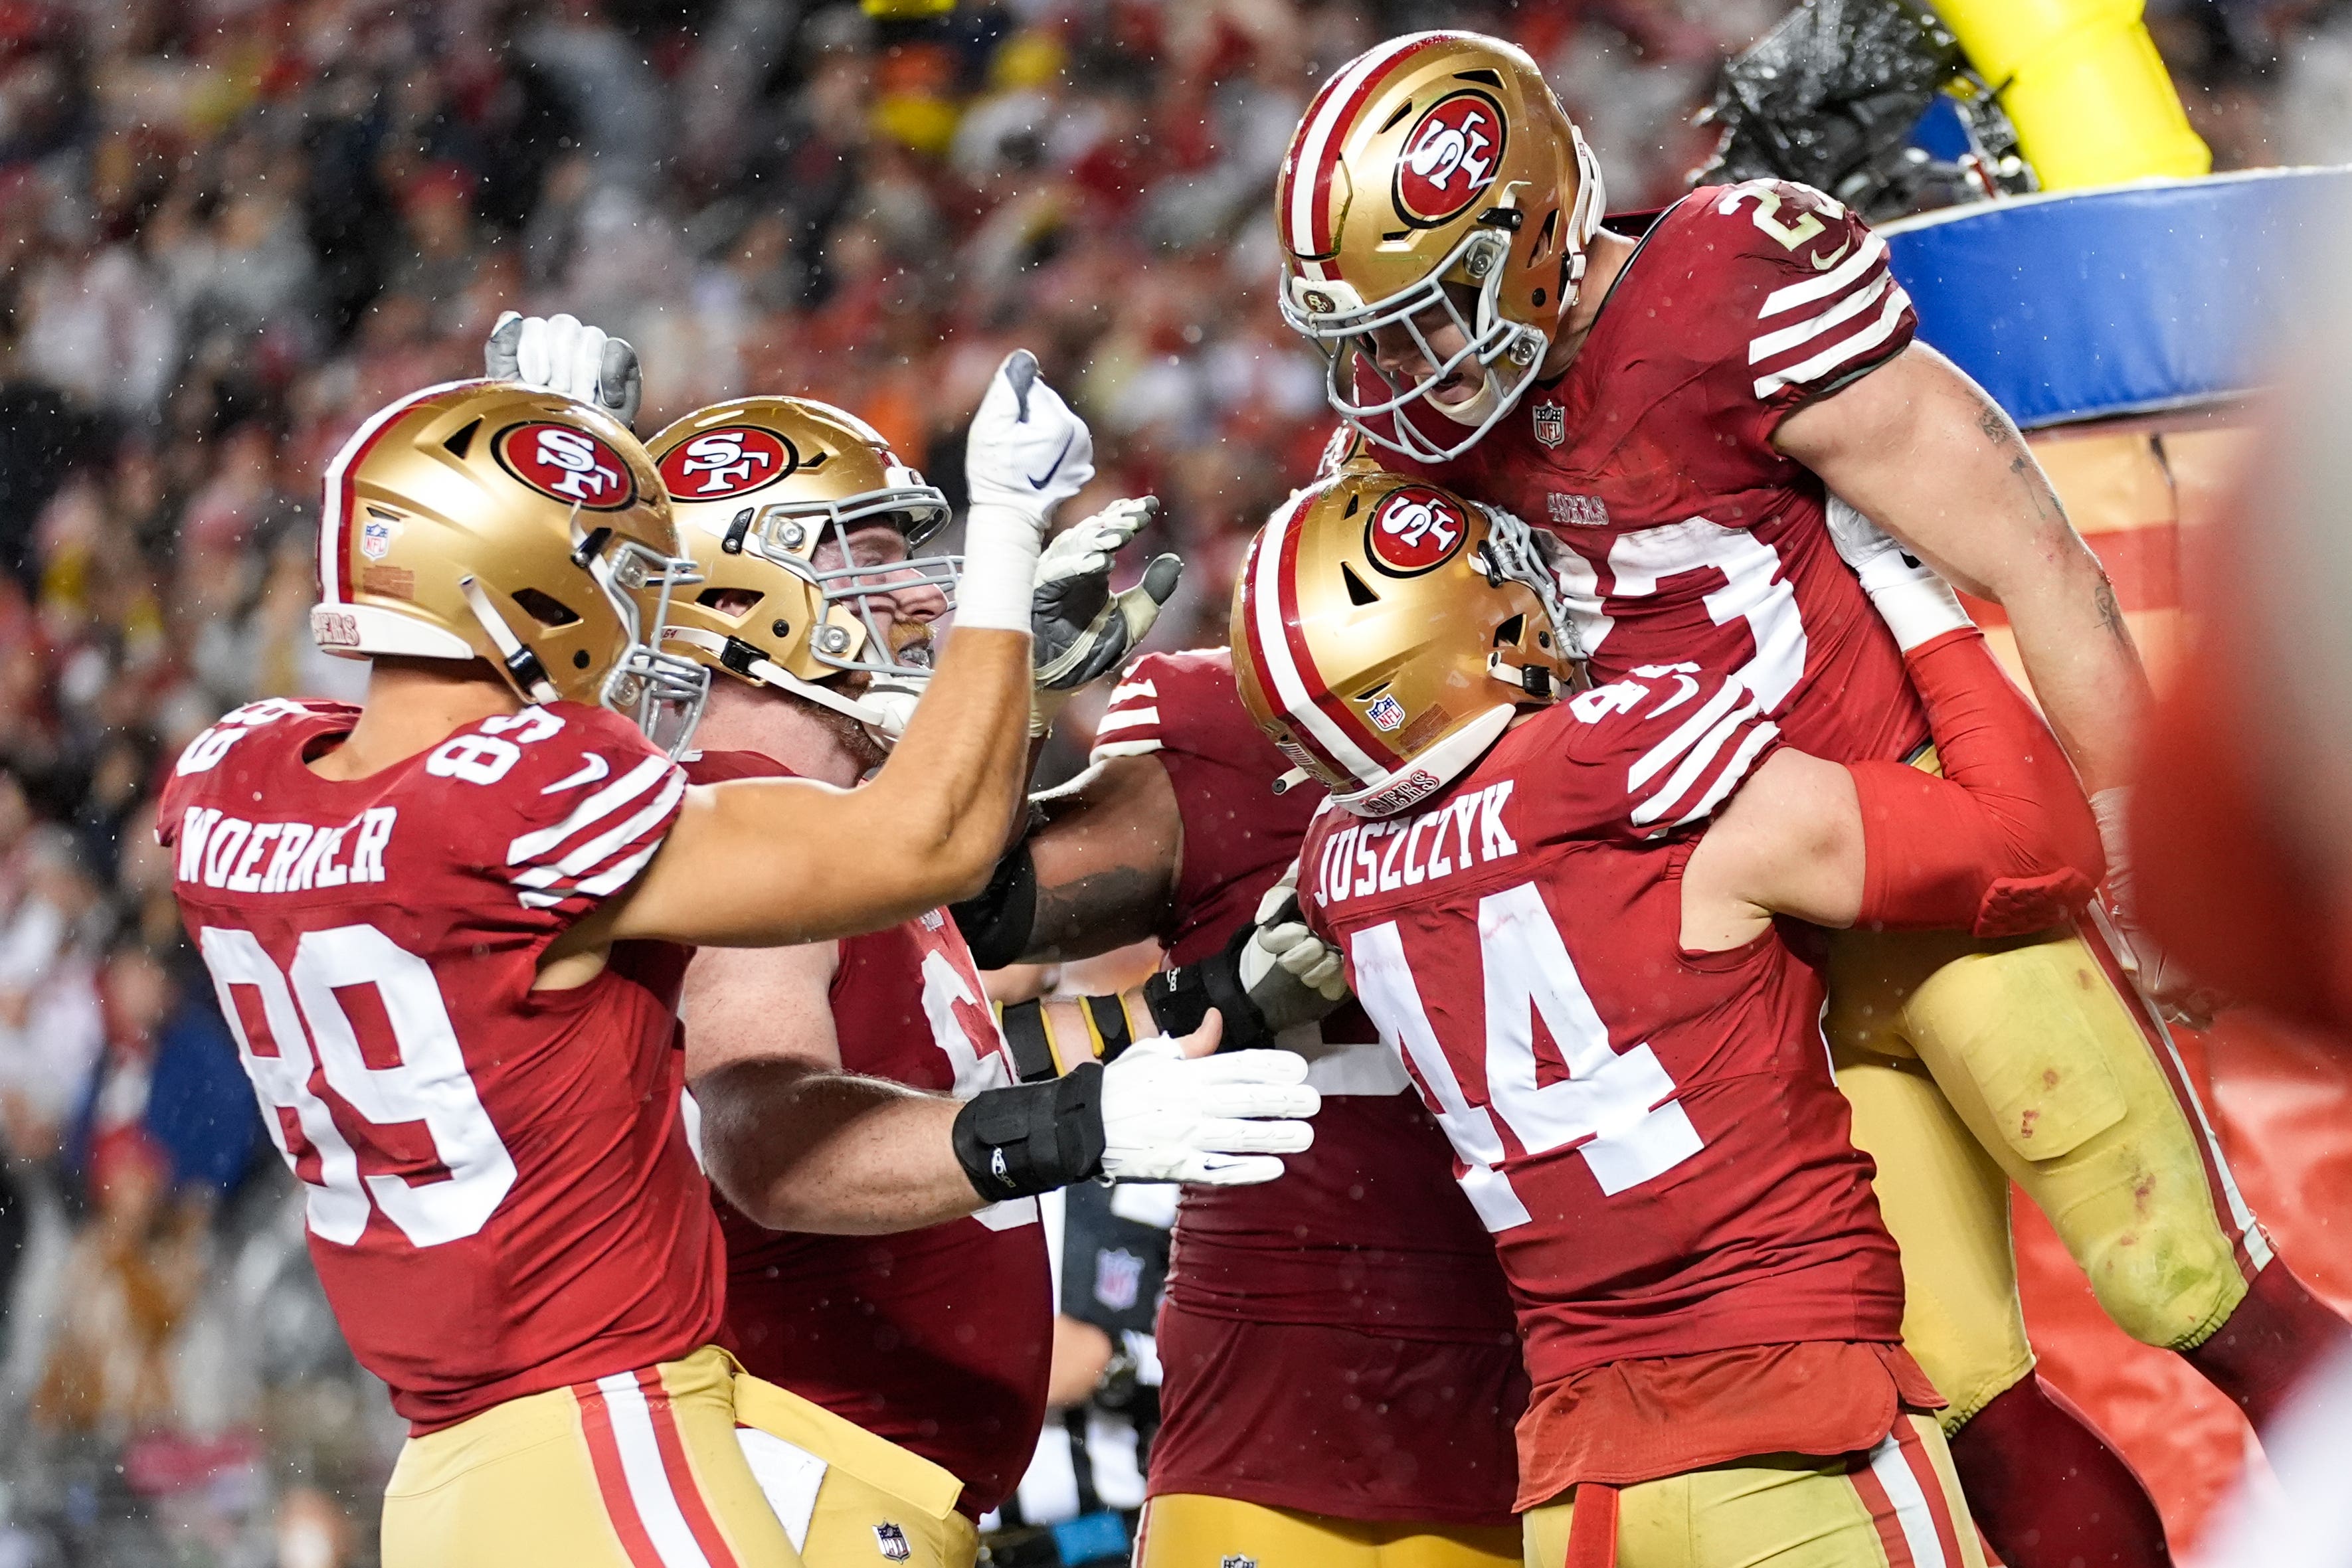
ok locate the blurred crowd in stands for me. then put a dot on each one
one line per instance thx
(233, 228)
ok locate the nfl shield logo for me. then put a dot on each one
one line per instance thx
(1386, 712)
(1235, 1559)
(376, 538)
(1118, 1279)
(1552, 424)
(891, 1542)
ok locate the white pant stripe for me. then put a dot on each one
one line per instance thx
(648, 1478)
(1911, 1508)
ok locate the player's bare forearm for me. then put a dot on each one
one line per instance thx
(1921, 450)
(768, 862)
(1106, 859)
(799, 1147)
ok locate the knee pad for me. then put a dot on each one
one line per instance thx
(2034, 1043)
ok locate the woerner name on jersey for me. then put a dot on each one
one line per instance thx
(221, 850)
(1386, 854)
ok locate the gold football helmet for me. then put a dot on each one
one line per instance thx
(1435, 159)
(758, 485)
(487, 520)
(1384, 631)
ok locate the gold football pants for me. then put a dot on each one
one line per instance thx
(636, 1470)
(1188, 1529)
(852, 1500)
(1897, 1506)
(1973, 1064)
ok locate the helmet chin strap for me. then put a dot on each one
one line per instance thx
(884, 724)
(521, 665)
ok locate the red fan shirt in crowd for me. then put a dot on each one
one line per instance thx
(1689, 537)
(1652, 1134)
(1339, 1341)
(501, 1198)
(940, 1339)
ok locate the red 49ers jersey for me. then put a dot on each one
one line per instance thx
(1692, 537)
(1365, 1232)
(938, 1340)
(501, 1195)
(1651, 1134)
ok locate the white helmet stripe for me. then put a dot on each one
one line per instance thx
(332, 546)
(1329, 122)
(1273, 636)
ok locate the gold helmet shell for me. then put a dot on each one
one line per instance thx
(1435, 159)
(758, 484)
(486, 519)
(1384, 631)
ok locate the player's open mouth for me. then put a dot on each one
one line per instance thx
(1455, 387)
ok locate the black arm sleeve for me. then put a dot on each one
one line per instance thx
(997, 923)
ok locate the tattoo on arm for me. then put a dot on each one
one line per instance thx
(1078, 914)
(1993, 422)
(2111, 615)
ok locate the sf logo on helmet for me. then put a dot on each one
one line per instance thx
(728, 461)
(1450, 156)
(568, 464)
(1413, 530)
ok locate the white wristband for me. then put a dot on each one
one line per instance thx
(1917, 605)
(1000, 568)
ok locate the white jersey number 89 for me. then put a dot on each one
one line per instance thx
(429, 1083)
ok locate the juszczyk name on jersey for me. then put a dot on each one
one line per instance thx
(1399, 852)
(217, 851)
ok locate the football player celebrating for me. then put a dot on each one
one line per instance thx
(1340, 1368)
(407, 909)
(920, 1359)
(1677, 411)
(1585, 978)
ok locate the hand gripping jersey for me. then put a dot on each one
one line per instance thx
(1364, 1232)
(1650, 1135)
(938, 1339)
(502, 1197)
(1689, 537)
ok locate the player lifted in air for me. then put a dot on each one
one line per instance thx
(1561, 914)
(408, 910)
(1676, 410)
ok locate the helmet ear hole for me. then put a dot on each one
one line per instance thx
(545, 608)
(1510, 632)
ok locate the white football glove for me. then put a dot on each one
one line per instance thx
(1026, 453)
(1293, 976)
(1082, 631)
(565, 355)
(1909, 595)
(1213, 1121)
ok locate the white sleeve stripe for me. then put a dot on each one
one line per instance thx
(1688, 775)
(1128, 719)
(1109, 749)
(595, 808)
(1785, 338)
(1731, 775)
(1126, 689)
(1654, 761)
(1828, 283)
(602, 847)
(1838, 353)
(617, 874)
